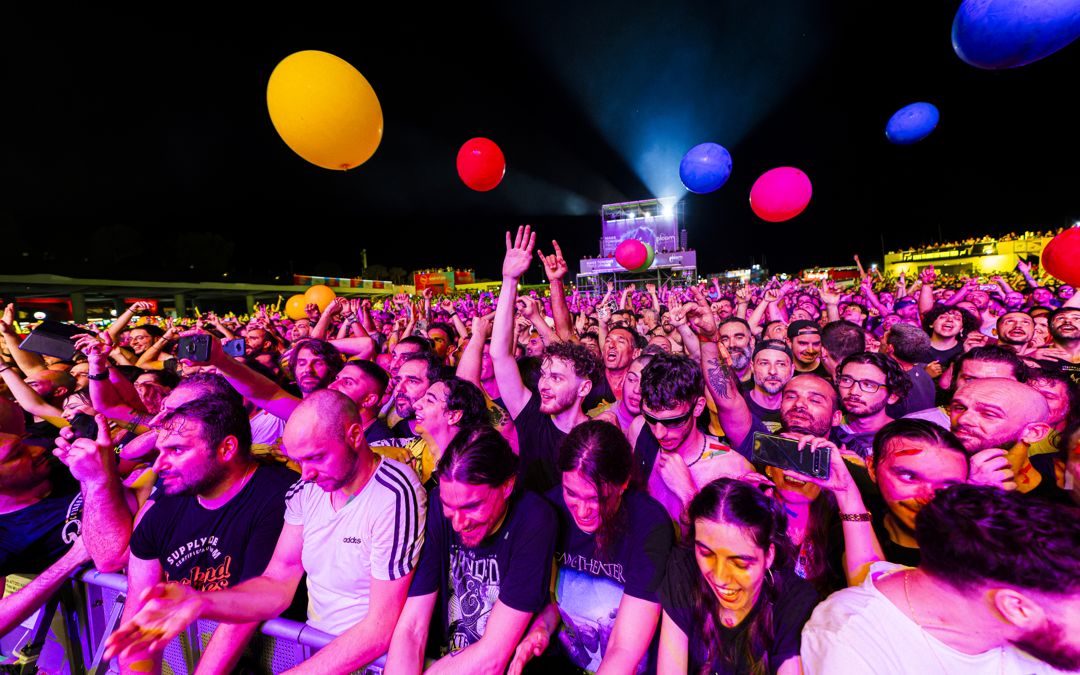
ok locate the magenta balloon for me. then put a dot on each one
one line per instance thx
(780, 194)
(631, 254)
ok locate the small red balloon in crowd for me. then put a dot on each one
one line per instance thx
(780, 194)
(631, 254)
(481, 164)
(1061, 257)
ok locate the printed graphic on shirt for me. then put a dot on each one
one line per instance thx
(588, 605)
(211, 578)
(474, 588)
(73, 520)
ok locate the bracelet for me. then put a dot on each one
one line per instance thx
(99, 377)
(452, 314)
(4, 370)
(856, 517)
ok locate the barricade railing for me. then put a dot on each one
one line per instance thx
(67, 635)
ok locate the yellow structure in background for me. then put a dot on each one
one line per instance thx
(971, 258)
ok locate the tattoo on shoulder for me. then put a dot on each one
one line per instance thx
(719, 378)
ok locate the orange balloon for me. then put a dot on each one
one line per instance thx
(295, 307)
(321, 295)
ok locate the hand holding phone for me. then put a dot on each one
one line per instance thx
(784, 453)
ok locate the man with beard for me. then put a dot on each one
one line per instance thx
(998, 420)
(415, 374)
(673, 458)
(773, 367)
(868, 383)
(997, 590)
(1064, 354)
(805, 339)
(1015, 330)
(566, 378)
(354, 525)
(736, 336)
(214, 521)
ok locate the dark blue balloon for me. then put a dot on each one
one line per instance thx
(912, 123)
(705, 167)
(994, 34)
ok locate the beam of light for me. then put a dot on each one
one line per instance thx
(659, 82)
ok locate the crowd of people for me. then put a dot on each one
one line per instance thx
(569, 481)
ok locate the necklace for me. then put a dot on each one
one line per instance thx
(700, 454)
(923, 631)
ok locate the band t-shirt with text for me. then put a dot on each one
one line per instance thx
(512, 566)
(589, 585)
(211, 550)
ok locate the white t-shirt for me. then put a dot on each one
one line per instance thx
(378, 533)
(858, 631)
(266, 429)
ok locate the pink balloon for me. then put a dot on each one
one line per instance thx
(780, 194)
(631, 254)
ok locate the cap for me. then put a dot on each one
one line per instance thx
(802, 326)
(777, 345)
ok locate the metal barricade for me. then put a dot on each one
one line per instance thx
(67, 635)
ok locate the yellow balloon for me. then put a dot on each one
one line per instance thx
(294, 307)
(324, 109)
(320, 295)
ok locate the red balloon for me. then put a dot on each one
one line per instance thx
(481, 164)
(1061, 257)
(631, 254)
(780, 194)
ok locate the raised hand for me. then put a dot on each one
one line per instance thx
(650, 288)
(141, 306)
(928, 275)
(519, 252)
(312, 311)
(829, 294)
(88, 459)
(336, 306)
(554, 265)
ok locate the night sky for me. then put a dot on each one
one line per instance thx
(143, 149)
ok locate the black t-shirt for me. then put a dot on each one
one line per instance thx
(946, 356)
(513, 566)
(538, 447)
(589, 586)
(36, 536)
(379, 431)
(921, 396)
(401, 429)
(212, 550)
(601, 392)
(794, 604)
(770, 417)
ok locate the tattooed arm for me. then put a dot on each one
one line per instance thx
(731, 409)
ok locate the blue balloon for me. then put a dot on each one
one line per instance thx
(912, 123)
(995, 34)
(705, 167)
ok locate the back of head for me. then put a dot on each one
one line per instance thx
(478, 456)
(842, 339)
(220, 416)
(600, 451)
(910, 344)
(993, 354)
(421, 343)
(375, 373)
(211, 384)
(671, 379)
(467, 398)
(323, 412)
(971, 535)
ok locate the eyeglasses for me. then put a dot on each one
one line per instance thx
(670, 422)
(869, 386)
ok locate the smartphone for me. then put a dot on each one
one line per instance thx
(84, 426)
(784, 453)
(235, 347)
(194, 348)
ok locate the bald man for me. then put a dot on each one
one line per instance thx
(997, 420)
(354, 523)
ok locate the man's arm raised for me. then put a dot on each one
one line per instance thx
(515, 263)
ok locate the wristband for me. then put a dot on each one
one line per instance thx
(4, 370)
(856, 517)
(98, 377)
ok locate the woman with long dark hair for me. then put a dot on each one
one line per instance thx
(732, 602)
(610, 557)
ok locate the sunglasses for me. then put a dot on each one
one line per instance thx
(669, 422)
